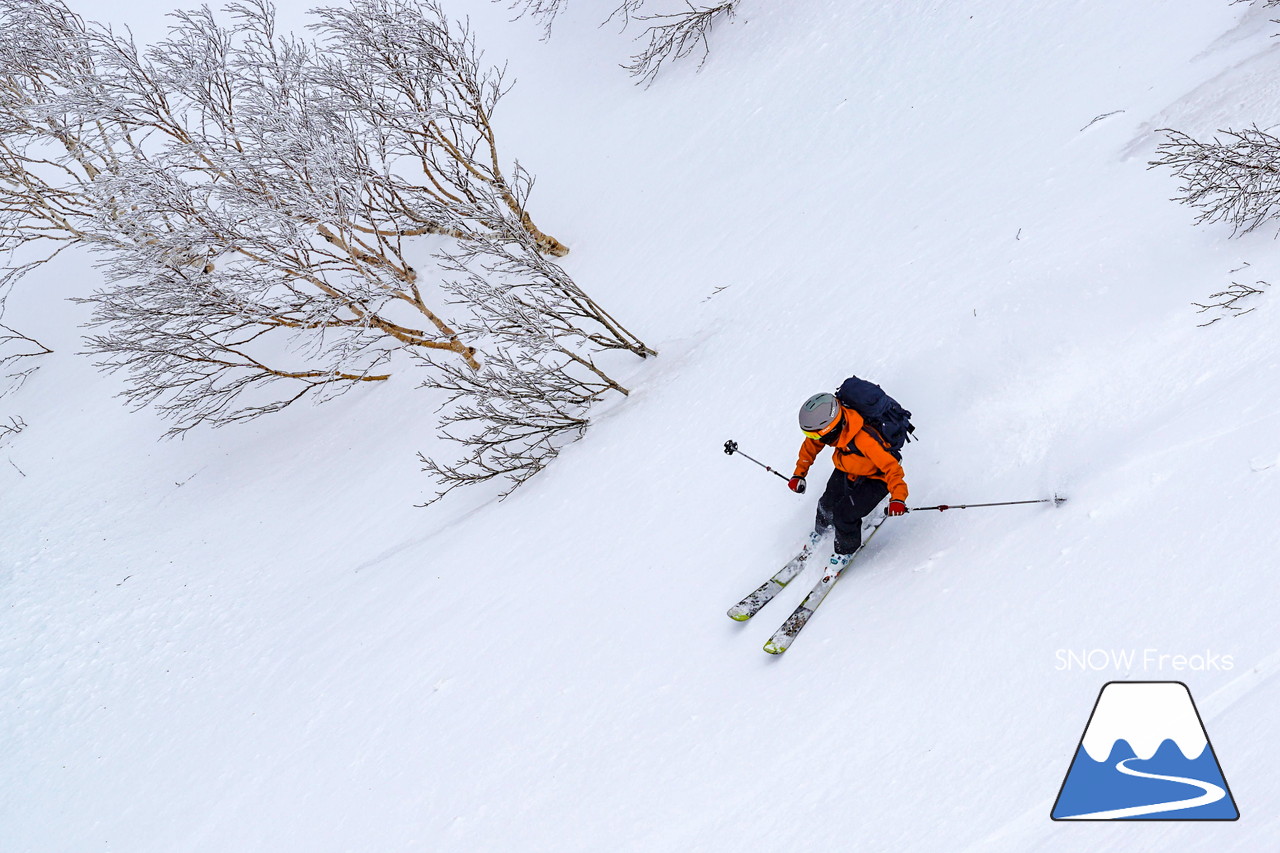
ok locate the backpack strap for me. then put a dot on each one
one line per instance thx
(875, 433)
(852, 448)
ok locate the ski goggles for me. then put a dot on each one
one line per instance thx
(820, 434)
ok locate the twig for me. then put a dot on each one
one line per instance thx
(683, 33)
(1228, 301)
(1097, 119)
(12, 429)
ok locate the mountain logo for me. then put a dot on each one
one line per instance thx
(1145, 755)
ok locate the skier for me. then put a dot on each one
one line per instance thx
(865, 471)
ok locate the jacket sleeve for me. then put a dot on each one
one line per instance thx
(894, 477)
(809, 451)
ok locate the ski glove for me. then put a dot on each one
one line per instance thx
(896, 508)
(796, 484)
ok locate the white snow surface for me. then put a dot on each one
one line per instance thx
(251, 640)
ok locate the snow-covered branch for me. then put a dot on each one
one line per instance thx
(539, 336)
(1235, 179)
(516, 262)
(417, 86)
(512, 417)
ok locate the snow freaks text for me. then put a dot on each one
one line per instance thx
(1146, 660)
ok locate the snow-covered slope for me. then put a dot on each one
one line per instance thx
(251, 640)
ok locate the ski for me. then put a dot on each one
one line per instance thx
(786, 634)
(750, 606)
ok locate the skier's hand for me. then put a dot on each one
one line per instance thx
(896, 508)
(796, 484)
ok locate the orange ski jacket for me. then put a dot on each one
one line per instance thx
(858, 454)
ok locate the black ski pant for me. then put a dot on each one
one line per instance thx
(843, 505)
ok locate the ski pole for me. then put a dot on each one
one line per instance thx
(1055, 500)
(731, 447)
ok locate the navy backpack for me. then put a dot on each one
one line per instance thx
(883, 414)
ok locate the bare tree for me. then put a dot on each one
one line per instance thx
(237, 196)
(251, 199)
(233, 207)
(227, 203)
(1234, 179)
(678, 35)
